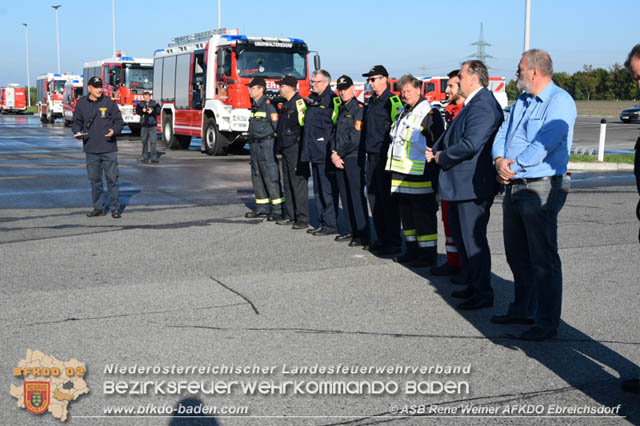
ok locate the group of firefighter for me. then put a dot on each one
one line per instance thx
(347, 146)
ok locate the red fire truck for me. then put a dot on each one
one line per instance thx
(124, 79)
(13, 99)
(49, 89)
(433, 90)
(200, 81)
(72, 91)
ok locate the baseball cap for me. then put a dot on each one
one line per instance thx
(377, 70)
(257, 81)
(95, 82)
(344, 82)
(288, 80)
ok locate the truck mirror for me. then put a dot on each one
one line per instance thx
(316, 62)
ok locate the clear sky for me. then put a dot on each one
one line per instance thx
(424, 37)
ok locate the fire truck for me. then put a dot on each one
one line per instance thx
(434, 90)
(200, 81)
(72, 92)
(49, 89)
(13, 99)
(125, 79)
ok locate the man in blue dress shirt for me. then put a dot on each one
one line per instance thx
(531, 153)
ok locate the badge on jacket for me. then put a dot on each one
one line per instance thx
(103, 111)
(358, 125)
(274, 116)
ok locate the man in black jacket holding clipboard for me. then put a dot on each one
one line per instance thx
(96, 121)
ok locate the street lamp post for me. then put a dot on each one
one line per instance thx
(26, 30)
(527, 24)
(113, 13)
(56, 7)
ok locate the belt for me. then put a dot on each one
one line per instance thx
(525, 181)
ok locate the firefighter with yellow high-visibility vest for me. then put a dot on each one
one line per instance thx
(265, 174)
(413, 180)
(380, 112)
(320, 118)
(295, 173)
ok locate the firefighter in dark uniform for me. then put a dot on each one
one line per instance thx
(380, 112)
(413, 180)
(97, 120)
(295, 173)
(265, 175)
(348, 159)
(321, 115)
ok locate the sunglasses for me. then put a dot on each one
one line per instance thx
(372, 79)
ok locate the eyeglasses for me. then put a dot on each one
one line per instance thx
(372, 79)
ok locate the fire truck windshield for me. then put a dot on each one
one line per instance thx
(77, 92)
(58, 87)
(138, 77)
(271, 63)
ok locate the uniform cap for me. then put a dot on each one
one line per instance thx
(377, 70)
(257, 81)
(147, 92)
(288, 80)
(95, 82)
(344, 82)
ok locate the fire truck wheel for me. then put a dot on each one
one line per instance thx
(168, 137)
(212, 142)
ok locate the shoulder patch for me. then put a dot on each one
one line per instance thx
(358, 125)
(274, 116)
(361, 106)
(431, 111)
(268, 101)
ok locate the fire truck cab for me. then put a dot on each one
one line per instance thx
(124, 79)
(49, 89)
(72, 92)
(201, 80)
(13, 99)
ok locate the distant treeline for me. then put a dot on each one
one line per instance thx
(592, 84)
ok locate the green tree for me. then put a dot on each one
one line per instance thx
(512, 90)
(564, 80)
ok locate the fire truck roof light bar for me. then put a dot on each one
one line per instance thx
(192, 38)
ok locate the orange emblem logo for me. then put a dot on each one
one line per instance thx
(358, 125)
(36, 396)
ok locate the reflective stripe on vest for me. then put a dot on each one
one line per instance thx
(406, 187)
(406, 152)
(301, 107)
(396, 106)
(259, 114)
(336, 104)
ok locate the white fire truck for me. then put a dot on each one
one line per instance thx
(201, 82)
(49, 90)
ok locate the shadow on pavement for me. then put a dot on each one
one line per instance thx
(587, 365)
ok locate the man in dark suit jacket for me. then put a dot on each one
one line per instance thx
(468, 180)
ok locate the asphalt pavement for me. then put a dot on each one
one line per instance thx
(183, 279)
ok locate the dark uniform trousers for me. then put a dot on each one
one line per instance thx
(265, 176)
(384, 208)
(354, 203)
(295, 175)
(418, 213)
(468, 221)
(325, 191)
(96, 164)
